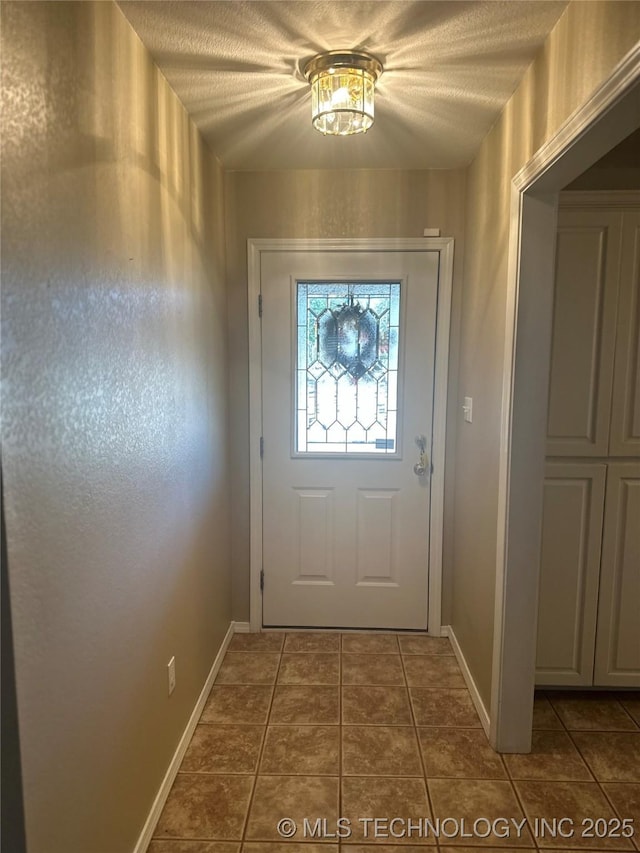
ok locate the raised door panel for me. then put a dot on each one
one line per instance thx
(313, 527)
(584, 327)
(569, 572)
(625, 409)
(618, 634)
(377, 537)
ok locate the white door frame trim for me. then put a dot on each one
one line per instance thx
(442, 245)
(579, 142)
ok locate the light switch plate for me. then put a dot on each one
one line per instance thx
(467, 408)
(171, 673)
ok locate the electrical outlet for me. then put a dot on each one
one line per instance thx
(171, 672)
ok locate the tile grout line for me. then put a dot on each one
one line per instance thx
(417, 739)
(245, 824)
(621, 701)
(634, 844)
(594, 778)
(207, 773)
(566, 731)
(520, 802)
(557, 713)
(635, 838)
(553, 710)
(606, 696)
(623, 707)
(513, 779)
(342, 844)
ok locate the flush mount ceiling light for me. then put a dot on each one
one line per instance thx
(342, 87)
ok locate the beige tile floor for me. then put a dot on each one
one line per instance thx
(358, 726)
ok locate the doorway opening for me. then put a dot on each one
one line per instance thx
(611, 114)
(349, 348)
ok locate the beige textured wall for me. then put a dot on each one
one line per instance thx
(114, 363)
(348, 203)
(581, 51)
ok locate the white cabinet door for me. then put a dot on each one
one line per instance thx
(584, 330)
(569, 572)
(625, 410)
(348, 356)
(618, 637)
(589, 612)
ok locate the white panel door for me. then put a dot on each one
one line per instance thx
(625, 411)
(569, 572)
(618, 637)
(348, 357)
(584, 332)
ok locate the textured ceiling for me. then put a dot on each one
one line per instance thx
(449, 69)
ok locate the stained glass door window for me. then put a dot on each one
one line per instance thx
(347, 367)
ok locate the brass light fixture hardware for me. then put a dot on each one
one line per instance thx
(342, 91)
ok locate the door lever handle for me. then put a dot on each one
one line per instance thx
(422, 465)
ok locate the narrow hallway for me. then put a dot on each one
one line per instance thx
(360, 726)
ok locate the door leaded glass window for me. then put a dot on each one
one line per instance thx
(347, 367)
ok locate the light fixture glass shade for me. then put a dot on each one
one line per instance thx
(342, 91)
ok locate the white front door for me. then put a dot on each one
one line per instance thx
(348, 360)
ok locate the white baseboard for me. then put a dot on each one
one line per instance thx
(466, 672)
(161, 797)
(241, 627)
(444, 630)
